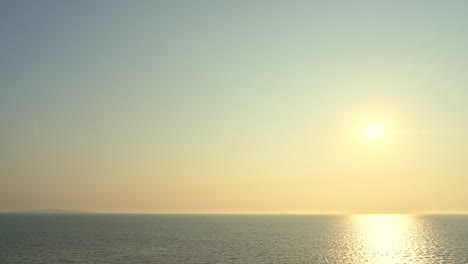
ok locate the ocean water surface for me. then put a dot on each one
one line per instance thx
(109, 238)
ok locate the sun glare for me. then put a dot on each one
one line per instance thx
(374, 131)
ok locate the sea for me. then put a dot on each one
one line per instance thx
(132, 238)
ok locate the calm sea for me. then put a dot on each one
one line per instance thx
(101, 238)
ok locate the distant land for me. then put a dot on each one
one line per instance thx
(49, 211)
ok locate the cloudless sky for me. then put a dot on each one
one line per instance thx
(234, 106)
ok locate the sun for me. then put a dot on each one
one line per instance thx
(374, 131)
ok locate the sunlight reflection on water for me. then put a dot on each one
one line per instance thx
(388, 239)
(359, 239)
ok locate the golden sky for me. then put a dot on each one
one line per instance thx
(228, 107)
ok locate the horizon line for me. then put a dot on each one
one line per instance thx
(240, 213)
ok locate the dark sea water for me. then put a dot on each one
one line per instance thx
(101, 238)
